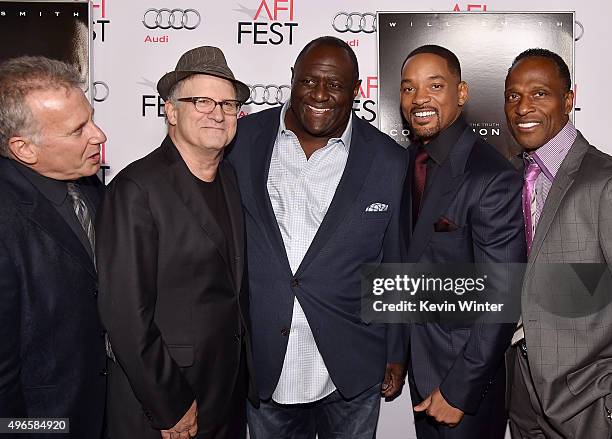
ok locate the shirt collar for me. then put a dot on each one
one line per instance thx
(440, 147)
(550, 155)
(344, 139)
(54, 190)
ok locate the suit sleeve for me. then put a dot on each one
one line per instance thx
(397, 334)
(498, 237)
(605, 223)
(11, 395)
(127, 266)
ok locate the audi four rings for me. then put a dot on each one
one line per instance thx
(268, 94)
(100, 91)
(355, 22)
(171, 18)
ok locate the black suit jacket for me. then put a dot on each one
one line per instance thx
(52, 355)
(480, 192)
(170, 299)
(328, 280)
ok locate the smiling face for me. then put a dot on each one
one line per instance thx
(68, 144)
(201, 132)
(323, 89)
(431, 95)
(537, 103)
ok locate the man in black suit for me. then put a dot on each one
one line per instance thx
(463, 205)
(171, 259)
(52, 357)
(322, 191)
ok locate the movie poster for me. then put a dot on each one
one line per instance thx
(58, 30)
(485, 43)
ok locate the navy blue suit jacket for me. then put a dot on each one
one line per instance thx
(479, 191)
(327, 283)
(52, 356)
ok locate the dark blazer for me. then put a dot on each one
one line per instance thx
(173, 304)
(327, 283)
(52, 355)
(567, 326)
(480, 192)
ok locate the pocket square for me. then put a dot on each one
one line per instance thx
(445, 225)
(377, 207)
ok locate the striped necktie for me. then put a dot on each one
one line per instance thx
(82, 213)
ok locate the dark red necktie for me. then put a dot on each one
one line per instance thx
(418, 182)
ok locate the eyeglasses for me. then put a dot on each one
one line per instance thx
(208, 105)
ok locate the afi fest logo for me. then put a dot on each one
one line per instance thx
(364, 104)
(272, 23)
(100, 19)
(470, 7)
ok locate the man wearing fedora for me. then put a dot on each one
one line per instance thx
(171, 262)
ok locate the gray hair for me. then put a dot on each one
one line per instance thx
(19, 77)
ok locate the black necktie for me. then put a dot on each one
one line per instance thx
(418, 182)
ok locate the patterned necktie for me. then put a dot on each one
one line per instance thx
(529, 200)
(418, 182)
(82, 213)
(532, 170)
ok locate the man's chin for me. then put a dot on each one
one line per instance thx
(424, 135)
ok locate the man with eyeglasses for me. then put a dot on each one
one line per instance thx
(170, 261)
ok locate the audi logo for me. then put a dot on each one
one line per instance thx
(355, 22)
(171, 18)
(100, 91)
(580, 25)
(269, 94)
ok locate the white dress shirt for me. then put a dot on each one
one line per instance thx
(301, 191)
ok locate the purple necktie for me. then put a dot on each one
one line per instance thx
(531, 174)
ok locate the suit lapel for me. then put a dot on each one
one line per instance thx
(361, 156)
(260, 166)
(232, 199)
(39, 210)
(440, 194)
(189, 193)
(563, 181)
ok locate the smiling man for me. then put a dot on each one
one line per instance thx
(52, 356)
(322, 191)
(171, 259)
(462, 205)
(559, 364)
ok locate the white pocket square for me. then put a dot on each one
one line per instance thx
(377, 207)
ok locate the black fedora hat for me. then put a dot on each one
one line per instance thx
(206, 60)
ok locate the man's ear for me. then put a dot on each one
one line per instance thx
(170, 110)
(24, 150)
(356, 88)
(568, 102)
(462, 91)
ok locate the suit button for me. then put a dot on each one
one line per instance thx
(285, 332)
(237, 337)
(102, 333)
(95, 293)
(295, 283)
(103, 372)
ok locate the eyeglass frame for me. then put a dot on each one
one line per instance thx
(193, 100)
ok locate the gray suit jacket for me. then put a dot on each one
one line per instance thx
(567, 310)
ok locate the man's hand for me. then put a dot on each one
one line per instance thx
(394, 380)
(186, 427)
(436, 406)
